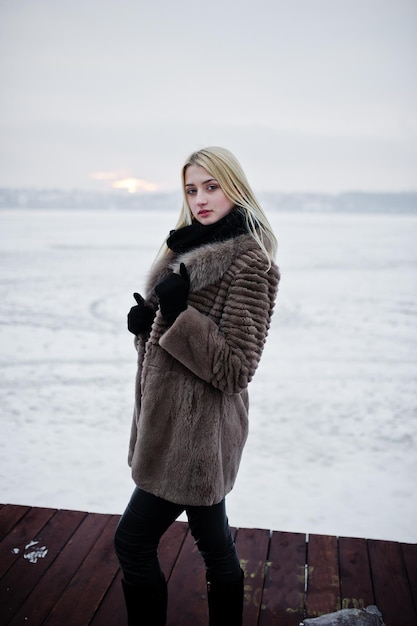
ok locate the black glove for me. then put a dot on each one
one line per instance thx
(140, 317)
(173, 294)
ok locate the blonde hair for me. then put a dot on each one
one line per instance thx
(226, 169)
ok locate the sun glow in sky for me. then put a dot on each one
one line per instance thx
(133, 185)
(124, 180)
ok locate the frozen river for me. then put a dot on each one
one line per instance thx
(333, 420)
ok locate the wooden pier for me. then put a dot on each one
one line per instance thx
(59, 568)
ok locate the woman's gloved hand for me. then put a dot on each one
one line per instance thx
(140, 317)
(173, 294)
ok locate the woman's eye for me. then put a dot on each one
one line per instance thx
(212, 187)
(190, 191)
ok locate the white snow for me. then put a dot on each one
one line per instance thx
(332, 444)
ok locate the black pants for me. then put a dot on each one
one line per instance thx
(147, 518)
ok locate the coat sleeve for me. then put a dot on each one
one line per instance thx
(227, 354)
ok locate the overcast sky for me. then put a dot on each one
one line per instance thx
(311, 95)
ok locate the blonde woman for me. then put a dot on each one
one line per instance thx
(200, 332)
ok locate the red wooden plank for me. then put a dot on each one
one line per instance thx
(24, 574)
(51, 586)
(252, 546)
(323, 588)
(355, 574)
(10, 514)
(13, 544)
(187, 593)
(88, 586)
(170, 546)
(112, 609)
(283, 597)
(392, 590)
(409, 551)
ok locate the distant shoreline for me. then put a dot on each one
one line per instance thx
(346, 202)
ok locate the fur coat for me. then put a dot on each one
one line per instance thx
(190, 420)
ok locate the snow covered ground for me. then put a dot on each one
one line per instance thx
(333, 428)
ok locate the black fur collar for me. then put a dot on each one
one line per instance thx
(196, 234)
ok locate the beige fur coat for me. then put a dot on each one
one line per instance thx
(190, 421)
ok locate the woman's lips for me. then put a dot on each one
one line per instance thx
(204, 213)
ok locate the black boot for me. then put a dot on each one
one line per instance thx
(225, 601)
(146, 604)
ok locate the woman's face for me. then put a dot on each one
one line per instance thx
(206, 199)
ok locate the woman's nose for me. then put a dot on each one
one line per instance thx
(201, 198)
